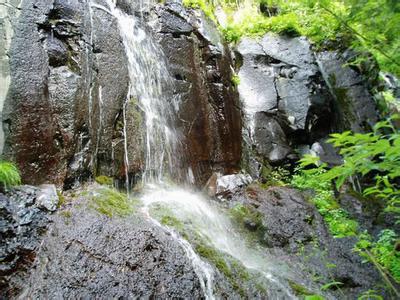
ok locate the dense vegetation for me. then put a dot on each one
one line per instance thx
(371, 163)
(371, 25)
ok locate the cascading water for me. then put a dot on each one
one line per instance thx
(149, 79)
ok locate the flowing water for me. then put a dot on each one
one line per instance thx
(149, 81)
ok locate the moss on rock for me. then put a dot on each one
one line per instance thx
(104, 180)
(110, 202)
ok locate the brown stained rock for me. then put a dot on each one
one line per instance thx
(209, 116)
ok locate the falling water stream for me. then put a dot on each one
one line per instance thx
(149, 79)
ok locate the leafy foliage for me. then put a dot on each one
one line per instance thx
(339, 223)
(9, 174)
(375, 154)
(104, 180)
(235, 80)
(382, 252)
(371, 25)
(206, 6)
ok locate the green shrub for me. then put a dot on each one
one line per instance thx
(375, 155)
(9, 174)
(206, 6)
(337, 219)
(322, 21)
(235, 80)
(382, 252)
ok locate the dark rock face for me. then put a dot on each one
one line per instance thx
(354, 104)
(89, 255)
(269, 138)
(68, 84)
(24, 217)
(69, 81)
(209, 115)
(291, 224)
(291, 97)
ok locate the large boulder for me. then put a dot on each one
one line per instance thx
(92, 256)
(354, 105)
(283, 97)
(288, 223)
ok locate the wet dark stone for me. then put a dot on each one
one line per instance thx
(209, 116)
(354, 104)
(92, 256)
(308, 95)
(280, 84)
(292, 225)
(60, 67)
(57, 52)
(24, 217)
(269, 139)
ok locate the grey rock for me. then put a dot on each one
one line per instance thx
(280, 78)
(57, 52)
(269, 138)
(392, 83)
(355, 105)
(294, 226)
(47, 197)
(69, 81)
(23, 220)
(228, 185)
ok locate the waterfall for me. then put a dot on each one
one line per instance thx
(149, 81)
(150, 84)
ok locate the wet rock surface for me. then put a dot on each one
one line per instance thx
(90, 255)
(24, 217)
(69, 84)
(209, 115)
(284, 98)
(292, 225)
(228, 185)
(354, 105)
(69, 80)
(294, 97)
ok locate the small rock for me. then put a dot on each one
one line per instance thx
(230, 184)
(47, 198)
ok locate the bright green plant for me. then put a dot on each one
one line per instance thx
(235, 80)
(337, 219)
(110, 202)
(9, 174)
(366, 25)
(375, 154)
(206, 6)
(382, 252)
(104, 180)
(369, 295)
